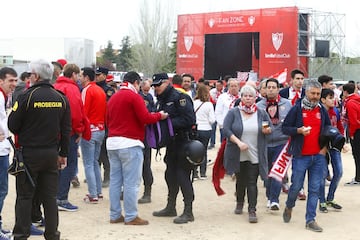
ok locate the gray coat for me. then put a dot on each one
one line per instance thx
(277, 137)
(233, 125)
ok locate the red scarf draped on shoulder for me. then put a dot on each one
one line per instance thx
(218, 169)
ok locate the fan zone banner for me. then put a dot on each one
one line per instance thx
(276, 42)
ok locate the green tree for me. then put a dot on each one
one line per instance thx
(170, 67)
(125, 57)
(153, 37)
(109, 52)
(108, 57)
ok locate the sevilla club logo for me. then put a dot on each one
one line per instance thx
(211, 22)
(188, 41)
(277, 39)
(251, 20)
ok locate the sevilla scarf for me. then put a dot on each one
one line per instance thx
(272, 108)
(296, 97)
(129, 86)
(233, 100)
(247, 109)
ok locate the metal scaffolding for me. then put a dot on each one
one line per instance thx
(325, 28)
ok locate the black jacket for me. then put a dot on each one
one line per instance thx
(41, 118)
(109, 91)
(180, 108)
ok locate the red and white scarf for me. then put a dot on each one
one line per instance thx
(128, 86)
(232, 100)
(272, 108)
(248, 109)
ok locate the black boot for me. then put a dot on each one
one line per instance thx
(168, 211)
(187, 215)
(239, 208)
(252, 216)
(146, 198)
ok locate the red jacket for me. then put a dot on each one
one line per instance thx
(353, 113)
(79, 122)
(94, 100)
(127, 115)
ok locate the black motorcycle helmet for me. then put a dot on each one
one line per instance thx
(194, 152)
(332, 137)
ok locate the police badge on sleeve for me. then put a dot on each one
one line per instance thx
(182, 102)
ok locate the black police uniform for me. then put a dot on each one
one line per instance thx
(179, 106)
(41, 119)
(147, 173)
(103, 157)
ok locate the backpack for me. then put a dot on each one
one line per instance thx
(159, 134)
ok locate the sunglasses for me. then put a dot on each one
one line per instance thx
(158, 84)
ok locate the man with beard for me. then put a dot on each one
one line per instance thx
(304, 124)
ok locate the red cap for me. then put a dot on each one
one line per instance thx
(62, 62)
(109, 78)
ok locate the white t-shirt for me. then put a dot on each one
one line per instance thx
(4, 145)
(205, 115)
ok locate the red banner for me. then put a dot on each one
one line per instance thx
(278, 38)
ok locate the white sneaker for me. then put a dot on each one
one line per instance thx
(274, 206)
(204, 177)
(268, 204)
(353, 182)
(210, 162)
(3, 236)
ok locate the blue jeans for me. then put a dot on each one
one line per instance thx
(222, 136)
(125, 171)
(4, 165)
(314, 165)
(67, 174)
(273, 187)
(203, 137)
(336, 164)
(213, 133)
(90, 151)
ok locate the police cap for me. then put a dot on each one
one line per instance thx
(159, 78)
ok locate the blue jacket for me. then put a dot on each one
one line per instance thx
(293, 121)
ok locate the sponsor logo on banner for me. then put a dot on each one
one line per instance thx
(188, 41)
(251, 20)
(211, 22)
(277, 39)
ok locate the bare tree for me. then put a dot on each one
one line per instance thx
(153, 36)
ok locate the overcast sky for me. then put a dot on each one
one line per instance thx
(112, 19)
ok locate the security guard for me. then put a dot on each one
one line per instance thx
(41, 119)
(101, 74)
(177, 174)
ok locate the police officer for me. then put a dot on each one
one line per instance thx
(177, 174)
(101, 74)
(41, 119)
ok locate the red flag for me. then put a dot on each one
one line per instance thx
(280, 76)
(242, 76)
